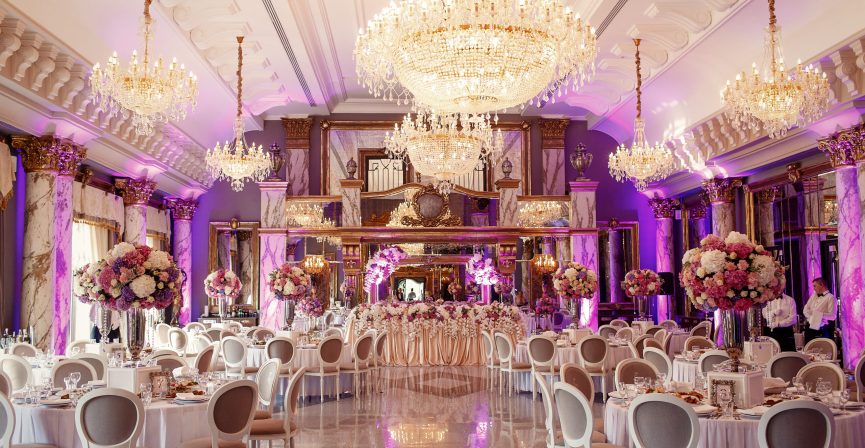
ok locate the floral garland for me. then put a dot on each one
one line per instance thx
(482, 270)
(733, 273)
(288, 282)
(545, 306)
(575, 281)
(222, 284)
(382, 265)
(130, 276)
(310, 307)
(642, 282)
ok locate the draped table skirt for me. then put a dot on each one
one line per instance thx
(307, 357)
(426, 349)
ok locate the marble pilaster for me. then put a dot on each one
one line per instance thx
(223, 251)
(699, 226)
(584, 246)
(508, 214)
(553, 155)
(721, 193)
(583, 206)
(616, 262)
(272, 254)
(812, 219)
(182, 211)
(351, 215)
(244, 255)
(766, 215)
(136, 194)
(273, 204)
(297, 132)
(664, 210)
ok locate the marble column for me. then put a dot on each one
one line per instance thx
(351, 215)
(721, 193)
(584, 245)
(69, 157)
(697, 218)
(223, 251)
(508, 214)
(272, 251)
(553, 155)
(297, 132)
(766, 215)
(664, 210)
(617, 258)
(136, 195)
(182, 211)
(244, 255)
(812, 219)
(40, 157)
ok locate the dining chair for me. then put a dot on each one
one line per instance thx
(662, 421)
(204, 360)
(230, 415)
(378, 361)
(178, 340)
(776, 347)
(668, 325)
(593, 351)
(333, 332)
(787, 365)
(213, 334)
(5, 384)
(542, 357)
(550, 418)
(200, 342)
(575, 417)
(7, 426)
(17, 369)
(823, 345)
(68, 366)
(171, 362)
(109, 418)
(619, 323)
(261, 334)
(281, 428)
(162, 352)
(578, 377)
(660, 359)
(653, 329)
(507, 361)
(639, 344)
(695, 342)
(797, 424)
(703, 329)
(195, 327)
(162, 330)
(267, 380)
(80, 343)
(607, 331)
(708, 360)
(361, 352)
(329, 356)
(98, 362)
(22, 349)
(626, 333)
(234, 357)
(492, 358)
(249, 331)
(859, 376)
(284, 350)
(660, 335)
(629, 369)
(226, 333)
(652, 342)
(827, 370)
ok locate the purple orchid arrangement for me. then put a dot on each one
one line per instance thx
(382, 265)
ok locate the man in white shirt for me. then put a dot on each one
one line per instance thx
(820, 312)
(114, 323)
(780, 314)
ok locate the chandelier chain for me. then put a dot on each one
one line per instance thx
(239, 76)
(639, 81)
(148, 27)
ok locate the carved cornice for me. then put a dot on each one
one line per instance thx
(135, 191)
(846, 147)
(182, 209)
(297, 131)
(721, 191)
(769, 195)
(69, 158)
(44, 153)
(553, 133)
(664, 207)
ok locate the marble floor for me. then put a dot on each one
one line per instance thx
(418, 407)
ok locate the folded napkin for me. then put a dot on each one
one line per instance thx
(181, 371)
(704, 408)
(771, 383)
(681, 386)
(189, 396)
(756, 410)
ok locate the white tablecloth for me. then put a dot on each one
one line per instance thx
(307, 357)
(684, 371)
(568, 354)
(849, 430)
(166, 425)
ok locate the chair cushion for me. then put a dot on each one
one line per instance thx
(204, 442)
(262, 414)
(598, 437)
(350, 366)
(595, 369)
(326, 369)
(267, 427)
(599, 424)
(606, 445)
(547, 371)
(519, 366)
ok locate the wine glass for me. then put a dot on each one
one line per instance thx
(725, 399)
(630, 393)
(146, 392)
(75, 377)
(824, 388)
(844, 397)
(797, 383)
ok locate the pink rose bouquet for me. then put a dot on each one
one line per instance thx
(310, 307)
(642, 282)
(575, 281)
(223, 285)
(289, 282)
(455, 289)
(85, 286)
(545, 306)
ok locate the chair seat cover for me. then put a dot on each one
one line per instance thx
(204, 442)
(269, 427)
(262, 414)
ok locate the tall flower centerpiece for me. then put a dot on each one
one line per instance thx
(381, 265)
(311, 308)
(733, 275)
(544, 308)
(289, 283)
(87, 290)
(132, 278)
(574, 282)
(223, 286)
(639, 284)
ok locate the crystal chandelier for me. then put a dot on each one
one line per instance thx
(150, 94)
(444, 146)
(540, 213)
(642, 163)
(771, 98)
(238, 162)
(311, 216)
(475, 56)
(405, 209)
(544, 263)
(314, 264)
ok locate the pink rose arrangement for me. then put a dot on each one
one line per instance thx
(381, 266)
(130, 276)
(504, 285)
(289, 282)
(310, 307)
(575, 281)
(642, 282)
(730, 273)
(455, 289)
(473, 289)
(545, 306)
(223, 285)
(482, 270)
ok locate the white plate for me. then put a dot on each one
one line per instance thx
(58, 402)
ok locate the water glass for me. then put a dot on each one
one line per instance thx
(725, 400)
(75, 377)
(67, 381)
(844, 397)
(146, 392)
(797, 383)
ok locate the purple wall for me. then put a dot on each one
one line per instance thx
(11, 249)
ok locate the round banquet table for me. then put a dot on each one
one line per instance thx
(849, 429)
(166, 425)
(566, 354)
(684, 371)
(306, 356)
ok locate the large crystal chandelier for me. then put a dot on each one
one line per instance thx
(238, 162)
(475, 56)
(770, 97)
(445, 146)
(150, 94)
(311, 216)
(540, 213)
(642, 163)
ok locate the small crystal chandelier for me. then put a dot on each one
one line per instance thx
(311, 216)
(314, 264)
(641, 163)
(475, 56)
(238, 162)
(771, 98)
(445, 146)
(149, 94)
(540, 213)
(544, 263)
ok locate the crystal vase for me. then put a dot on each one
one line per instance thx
(572, 307)
(641, 306)
(223, 307)
(734, 326)
(104, 323)
(289, 313)
(136, 330)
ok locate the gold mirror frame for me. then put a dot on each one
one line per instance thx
(215, 228)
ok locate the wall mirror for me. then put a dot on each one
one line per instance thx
(234, 245)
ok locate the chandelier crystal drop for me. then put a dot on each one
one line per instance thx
(475, 56)
(770, 98)
(149, 94)
(445, 146)
(238, 162)
(641, 163)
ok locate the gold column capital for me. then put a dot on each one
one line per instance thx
(44, 153)
(135, 191)
(297, 132)
(664, 207)
(721, 191)
(182, 209)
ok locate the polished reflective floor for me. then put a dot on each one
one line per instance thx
(425, 407)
